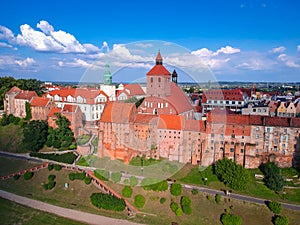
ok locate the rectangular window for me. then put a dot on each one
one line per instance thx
(231, 149)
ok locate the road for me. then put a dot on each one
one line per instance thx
(64, 212)
(202, 189)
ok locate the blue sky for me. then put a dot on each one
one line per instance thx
(246, 40)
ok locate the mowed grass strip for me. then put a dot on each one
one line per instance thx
(13, 213)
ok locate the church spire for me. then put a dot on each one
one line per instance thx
(174, 76)
(159, 59)
(107, 75)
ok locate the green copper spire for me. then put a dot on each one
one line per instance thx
(107, 75)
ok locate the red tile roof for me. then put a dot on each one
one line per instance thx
(88, 93)
(276, 121)
(194, 125)
(158, 57)
(145, 118)
(295, 122)
(219, 94)
(26, 95)
(53, 111)
(132, 90)
(179, 100)
(13, 89)
(158, 70)
(39, 101)
(118, 112)
(170, 122)
(69, 108)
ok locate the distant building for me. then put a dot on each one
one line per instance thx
(41, 107)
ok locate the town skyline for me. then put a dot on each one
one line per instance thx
(259, 46)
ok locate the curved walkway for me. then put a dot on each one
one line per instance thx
(64, 212)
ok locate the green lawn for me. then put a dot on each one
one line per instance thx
(192, 175)
(11, 137)
(13, 213)
(10, 165)
(83, 139)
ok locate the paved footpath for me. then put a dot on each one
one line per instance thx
(64, 212)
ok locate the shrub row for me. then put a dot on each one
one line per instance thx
(76, 176)
(64, 158)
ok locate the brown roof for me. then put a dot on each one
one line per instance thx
(158, 70)
(132, 90)
(26, 95)
(178, 99)
(13, 89)
(194, 125)
(295, 122)
(170, 122)
(145, 118)
(69, 108)
(39, 101)
(118, 112)
(53, 111)
(219, 94)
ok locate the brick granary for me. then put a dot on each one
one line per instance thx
(163, 126)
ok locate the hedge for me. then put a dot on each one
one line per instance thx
(64, 158)
(139, 201)
(107, 201)
(76, 176)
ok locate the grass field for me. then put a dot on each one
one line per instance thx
(13, 213)
(191, 175)
(11, 137)
(205, 212)
(11, 165)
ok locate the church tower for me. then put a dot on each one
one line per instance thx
(158, 79)
(174, 77)
(107, 75)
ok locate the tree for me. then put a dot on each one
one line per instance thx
(281, 220)
(35, 135)
(218, 198)
(28, 111)
(275, 207)
(116, 177)
(175, 189)
(272, 177)
(87, 180)
(185, 203)
(162, 200)
(232, 174)
(230, 219)
(139, 201)
(127, 191)
(61, 137)
(133, 181)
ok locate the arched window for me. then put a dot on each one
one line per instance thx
(159, 79)
(151, 79)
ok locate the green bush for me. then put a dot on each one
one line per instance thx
(16, 177)
(51, 177)
(275, 207)
(195, 191)
(102, 174)
(281, 220)
(107, 201)
(133, 181)
(28, 175)
(51, 184)
(87, 180)
(272, 177)
(45, 186)
(57, 167)
(178, 212)
(162, 200)
(116, 177)
(139, 201)
(127, 191)
(176, 189)
(218, 198)
(50, 167)
(185, 203)
(72, 176)
(230, 219)
(174, 206)
(64, 158)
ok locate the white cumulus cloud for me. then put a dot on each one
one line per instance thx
(279, 49)
(289, 61)
(298, 48)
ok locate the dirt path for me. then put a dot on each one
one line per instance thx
(64, 212)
